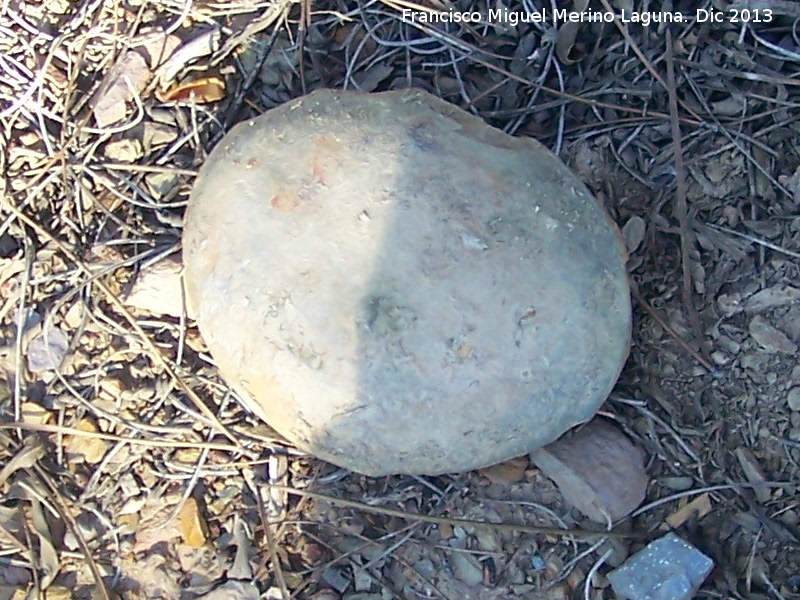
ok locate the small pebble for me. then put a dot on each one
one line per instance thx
(47, 350)
(633, 233)
(793, 398)
(425, 568)
(537, 563)
(466, 568)
(794, 582)
(678, 484)
(619, 551)
(335, 578)
(157, 289)
(728, 345)
(719, 358)
(362, 580)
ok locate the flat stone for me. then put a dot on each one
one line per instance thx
(598, 471)
(667, 569)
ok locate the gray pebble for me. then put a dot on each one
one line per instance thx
(793, 398)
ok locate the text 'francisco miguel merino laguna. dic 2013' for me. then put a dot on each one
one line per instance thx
(559, 16)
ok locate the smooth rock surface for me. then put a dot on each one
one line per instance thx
(396, 287)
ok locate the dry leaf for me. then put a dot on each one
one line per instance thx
(771, 339)
(201, 91)
(27, 456)
(466, 568)
(567, 35)
(772, 297)
(153, 529)
(698, 507)
(507, 472)
(241, 562)
(59, 592)
(128, 523)
(48, 557)
(203, 45)
(157, 45)
(194, 529)
(92, 449)
(754, 473)
(30, 412)
(233, 590)
(277, 500)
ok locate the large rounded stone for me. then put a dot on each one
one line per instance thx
(396, 287)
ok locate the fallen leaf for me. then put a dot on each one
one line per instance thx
(158, 46)
(233, 590)
(567, 50)
(13, 592)
(91, 449)
(277, 500)
(203, 45)
(30, 412)
(25, 458)
(699, 508)
(507, 472)
(154, 528)
(772, 297)
(752, 470)
(466, 568)
(48, 557)
(58, 592)
(201, 91)
(127, 523)
(240, 569)
(124, 150)
(772, 340)
(153, 574)
(194, 529)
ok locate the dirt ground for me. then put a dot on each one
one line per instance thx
(129, 470)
